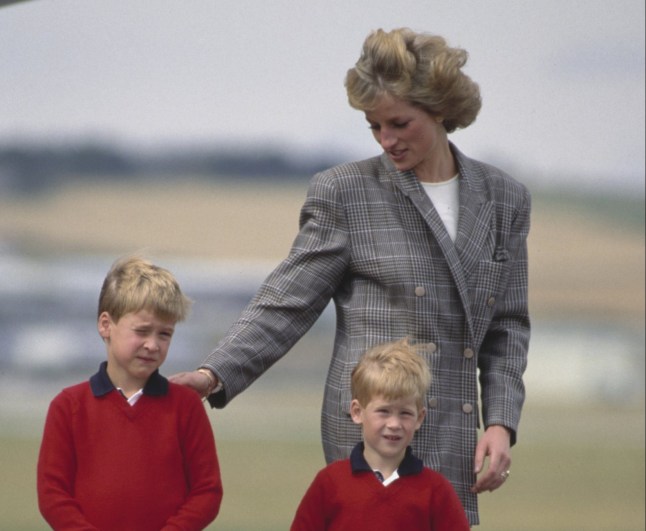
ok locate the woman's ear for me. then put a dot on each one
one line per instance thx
(103, 325)
(356, 412)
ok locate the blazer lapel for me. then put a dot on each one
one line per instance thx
(474, 223)
(407, 182)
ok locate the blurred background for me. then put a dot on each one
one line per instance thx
(189, 131)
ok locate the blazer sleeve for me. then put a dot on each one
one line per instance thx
(292, 297)
(503, 355)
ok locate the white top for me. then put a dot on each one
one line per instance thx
(445, 197)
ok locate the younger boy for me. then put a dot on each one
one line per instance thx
(128, 450)
(383, 485)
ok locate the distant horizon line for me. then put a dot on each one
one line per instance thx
(295, 161)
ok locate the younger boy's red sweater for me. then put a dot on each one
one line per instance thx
(347, 495)
(107, 465)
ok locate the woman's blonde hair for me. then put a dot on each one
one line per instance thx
(418, 68)
(392, 370)
(135, 284)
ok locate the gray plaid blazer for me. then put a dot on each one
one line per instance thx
(371, 240)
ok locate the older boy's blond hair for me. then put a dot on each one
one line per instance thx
(392, 370)
(133, 284)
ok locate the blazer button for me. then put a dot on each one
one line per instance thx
(431, 348)
(420, 291)
(432, 402)
(468, 353)
(491, 301)
(467, 408)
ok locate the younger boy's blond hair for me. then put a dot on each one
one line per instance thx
(392, 370)
(134, 283)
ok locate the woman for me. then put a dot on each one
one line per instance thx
(420, 242)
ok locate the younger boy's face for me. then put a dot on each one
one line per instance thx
(388, 427)
(137, 345)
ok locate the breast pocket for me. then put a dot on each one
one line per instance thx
(489, 282)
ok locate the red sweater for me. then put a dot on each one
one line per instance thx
(346, 496)
(110, 466)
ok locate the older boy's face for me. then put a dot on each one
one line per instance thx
(388, 426)
(137, 345)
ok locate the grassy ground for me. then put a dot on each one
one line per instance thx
(574, 469)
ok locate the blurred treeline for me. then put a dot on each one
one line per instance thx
(29, 167)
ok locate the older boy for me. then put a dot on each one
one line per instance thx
(383, 485)
(129, 450)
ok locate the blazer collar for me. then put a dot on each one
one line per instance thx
(476, 209)
(101, 385)
(469, 171)
(473, 222)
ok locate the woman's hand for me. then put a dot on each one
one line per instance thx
(197, 380)
(494, 444)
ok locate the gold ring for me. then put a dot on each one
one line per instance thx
(505, 474)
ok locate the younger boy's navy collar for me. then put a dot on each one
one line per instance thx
(101, 385)
(410, 464)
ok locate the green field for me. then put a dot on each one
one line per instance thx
(578, 468)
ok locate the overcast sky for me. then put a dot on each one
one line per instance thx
(562, 80)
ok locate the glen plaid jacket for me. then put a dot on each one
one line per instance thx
(371, 240)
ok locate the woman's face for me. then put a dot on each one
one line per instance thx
(412, 138)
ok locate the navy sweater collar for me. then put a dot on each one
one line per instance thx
(410, 464)
(101, 385)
